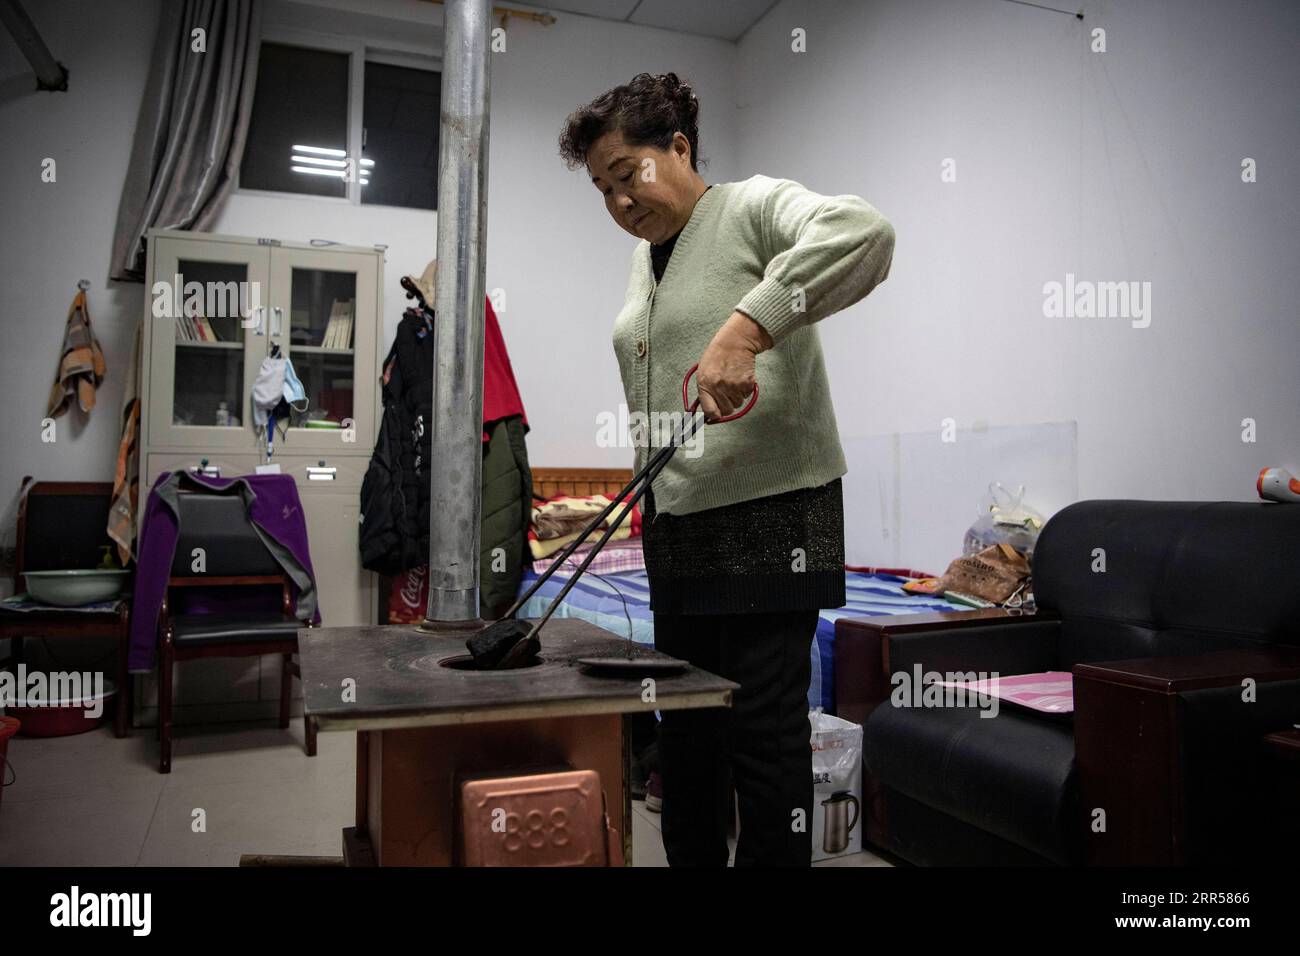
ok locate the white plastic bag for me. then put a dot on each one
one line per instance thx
(1004, 518)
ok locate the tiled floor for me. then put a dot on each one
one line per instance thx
(94, 800)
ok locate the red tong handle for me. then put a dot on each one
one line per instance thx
(694, 406)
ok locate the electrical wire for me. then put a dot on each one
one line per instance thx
(626, 613)
(622, 597)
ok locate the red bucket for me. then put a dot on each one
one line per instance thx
(8, 727)
(63, 717)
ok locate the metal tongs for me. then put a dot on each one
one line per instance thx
(508, 643)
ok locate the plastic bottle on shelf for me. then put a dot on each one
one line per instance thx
(223, 414)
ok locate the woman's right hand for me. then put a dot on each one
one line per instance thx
(726, 375)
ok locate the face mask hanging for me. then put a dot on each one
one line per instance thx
(277, 392)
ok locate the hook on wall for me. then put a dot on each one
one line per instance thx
(83, 284)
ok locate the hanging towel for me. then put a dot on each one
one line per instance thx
(81, 363)
(126, 477)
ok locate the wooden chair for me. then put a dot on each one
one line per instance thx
(63, 525)
(237, 574)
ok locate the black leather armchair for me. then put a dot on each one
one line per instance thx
(1185, 652)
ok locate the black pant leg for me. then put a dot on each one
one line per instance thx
(693, 752)
(769, 655)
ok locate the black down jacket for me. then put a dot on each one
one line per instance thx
(395, 491)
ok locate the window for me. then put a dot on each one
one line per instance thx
(298, 133)
(400, 136)
(321, 127)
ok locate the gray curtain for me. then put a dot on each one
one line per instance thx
(189, 139)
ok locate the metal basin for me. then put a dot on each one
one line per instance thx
(74, 588)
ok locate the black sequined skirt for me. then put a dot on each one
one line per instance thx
(780, 553)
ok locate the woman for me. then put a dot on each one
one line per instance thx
(744, 541)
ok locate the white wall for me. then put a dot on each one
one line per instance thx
(1116, 166)
(56, 233)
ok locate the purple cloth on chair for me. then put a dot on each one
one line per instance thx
(273, 507)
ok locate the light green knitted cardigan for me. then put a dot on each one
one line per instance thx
(787, 257)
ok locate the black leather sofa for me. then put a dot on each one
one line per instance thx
(1185, 652)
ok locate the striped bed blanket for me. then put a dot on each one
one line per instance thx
(619, 602)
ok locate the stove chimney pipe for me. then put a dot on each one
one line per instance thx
(455, 469)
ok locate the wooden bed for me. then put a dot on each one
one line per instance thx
(548, 482)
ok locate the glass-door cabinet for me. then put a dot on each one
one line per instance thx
(216, 307)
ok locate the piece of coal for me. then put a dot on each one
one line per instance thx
(490, 646)
(523, 654)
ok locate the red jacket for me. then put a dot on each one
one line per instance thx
(500, 393)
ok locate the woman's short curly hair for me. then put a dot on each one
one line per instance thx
(647, 111)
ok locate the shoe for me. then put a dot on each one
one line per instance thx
(640, 776)
(644, 762)
(654, 794)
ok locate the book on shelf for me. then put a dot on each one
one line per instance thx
(195, 328)
(345, 326)
(338, 330)
(327, 340)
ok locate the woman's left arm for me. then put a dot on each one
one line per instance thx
(827, 252)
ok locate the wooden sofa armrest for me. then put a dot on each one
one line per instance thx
(1130, 731)
(939, 620)
(862, 650)
(1174, 675)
